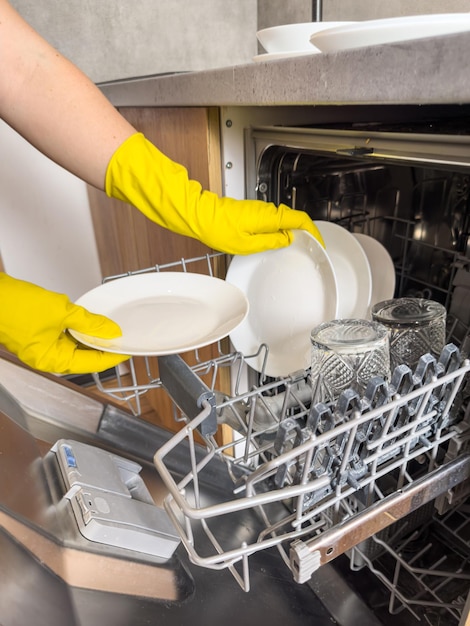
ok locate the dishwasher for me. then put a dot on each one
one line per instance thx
(358, 509)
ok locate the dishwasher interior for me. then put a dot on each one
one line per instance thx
(379, 481)
(410, 192)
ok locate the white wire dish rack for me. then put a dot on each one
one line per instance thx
(321, 480)
(427, 571)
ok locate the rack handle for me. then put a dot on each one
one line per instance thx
(307, 556)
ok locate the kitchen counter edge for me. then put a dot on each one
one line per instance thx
(425, 71)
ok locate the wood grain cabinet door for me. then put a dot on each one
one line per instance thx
(128, 241)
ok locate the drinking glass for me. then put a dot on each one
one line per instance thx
(345, 355)
(416, 326)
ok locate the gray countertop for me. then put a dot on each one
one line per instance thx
(425, 71)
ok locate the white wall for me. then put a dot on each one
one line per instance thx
(275, 12)
(46, 233)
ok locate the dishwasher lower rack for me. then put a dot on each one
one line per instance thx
(427, 571)
(321, 479)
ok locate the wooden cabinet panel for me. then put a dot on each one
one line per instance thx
(128, 241)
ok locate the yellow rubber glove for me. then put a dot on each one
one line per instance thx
(33, 322)
(141, 175)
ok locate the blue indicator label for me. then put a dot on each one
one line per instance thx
(70, 457)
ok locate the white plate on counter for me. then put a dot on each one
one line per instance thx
(382, 268)
(351, 265)
(390, 30)
(290, 291)
(164, 312)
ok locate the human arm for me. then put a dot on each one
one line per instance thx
(53, 105)
(60, 111)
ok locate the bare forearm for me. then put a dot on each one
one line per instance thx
(53, 104)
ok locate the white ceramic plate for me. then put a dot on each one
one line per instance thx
(287, 37)
(382, 268)
(353, 274)
(274, 56)
(390, 30)
(290, 291)
(165, 313)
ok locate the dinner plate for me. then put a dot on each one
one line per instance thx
(290, 290)
(382, 268)
(390, 30)
(353, 273)
(164, 312)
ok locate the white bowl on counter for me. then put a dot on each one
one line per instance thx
(293, 37)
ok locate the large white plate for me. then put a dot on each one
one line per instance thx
(390, 30)
(382, 268)
(165, 313)
(290, 291)
(353, 273)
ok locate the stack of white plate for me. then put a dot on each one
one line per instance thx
(289, 40)
(273, 298)
(293, 289)
(314, 37)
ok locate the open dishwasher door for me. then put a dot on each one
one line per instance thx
(51, 574)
